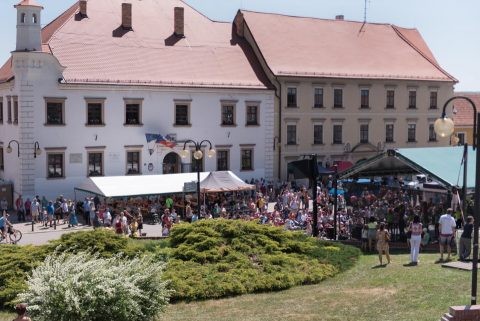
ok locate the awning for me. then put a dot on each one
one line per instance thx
(138, 185)
(442, 164)
(223, 181)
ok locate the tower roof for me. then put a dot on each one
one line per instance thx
(30, 3)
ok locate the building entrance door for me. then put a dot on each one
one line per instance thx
(171, 164)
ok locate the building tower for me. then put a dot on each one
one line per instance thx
(29, 28)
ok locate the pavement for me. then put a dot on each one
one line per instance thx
(42, 234)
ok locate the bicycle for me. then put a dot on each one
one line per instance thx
(15, 235)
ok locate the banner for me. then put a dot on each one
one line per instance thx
(167, 140)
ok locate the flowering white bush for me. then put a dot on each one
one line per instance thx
(85, 287)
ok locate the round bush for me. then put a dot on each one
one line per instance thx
(86, 287)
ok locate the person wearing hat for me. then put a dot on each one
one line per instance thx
(447, 227)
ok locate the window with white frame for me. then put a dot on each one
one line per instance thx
(246, 155)
(389, 133)
(133, 111)
(411, 134)
(291, 97)
(95, 163)
(55, 111)
(1, 110)
(95, 116)
(223, 160)
(432, 136)
(364, 98)
(15, 110)
(318, 98)
(9, 109)
(291, 134)
(318, 134)
(228, 115)
(252, 115)
(363, 133)
(133, 162)
(433, 100)
(182, 114)
(55, 164)
(338, 98)
(390, 99)
(337, 134)
(412, 99)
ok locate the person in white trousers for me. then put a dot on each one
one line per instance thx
(416, 229)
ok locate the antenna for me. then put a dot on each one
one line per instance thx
(365, 11)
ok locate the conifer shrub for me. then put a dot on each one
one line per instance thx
(218, 258)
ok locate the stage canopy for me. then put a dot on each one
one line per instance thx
(144, 185)
(442, 164)
(223, 181)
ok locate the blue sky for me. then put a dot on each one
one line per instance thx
(450, 28)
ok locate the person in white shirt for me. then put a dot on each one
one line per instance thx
(447, 226)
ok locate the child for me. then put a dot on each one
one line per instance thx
(364, 237)
(21, 310)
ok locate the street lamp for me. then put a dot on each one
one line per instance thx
(198, 155)
(444, 127)
(36, 148)
(9, 148)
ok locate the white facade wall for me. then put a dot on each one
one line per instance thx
(36, 77)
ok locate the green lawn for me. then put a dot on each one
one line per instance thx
(364, 293)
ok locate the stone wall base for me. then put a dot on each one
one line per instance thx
(462, 313)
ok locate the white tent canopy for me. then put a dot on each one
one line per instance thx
(138, 185)
(143, 185)
(224, 181)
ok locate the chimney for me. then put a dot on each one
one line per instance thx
(83, 8)
(339, 17)
(179, 18)
(127, 16)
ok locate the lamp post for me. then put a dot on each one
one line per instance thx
(198, 155)
(335, 202)
(444, 127)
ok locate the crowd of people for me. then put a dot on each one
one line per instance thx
(366, 211)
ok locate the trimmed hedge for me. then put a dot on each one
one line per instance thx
(207, 259)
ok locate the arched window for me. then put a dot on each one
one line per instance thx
(22, 19)
(34, 18)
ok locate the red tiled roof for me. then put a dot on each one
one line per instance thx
(6, 72)
(151, 54)
(464, 111)
(97, 50)
(31, 3)
(312, 47)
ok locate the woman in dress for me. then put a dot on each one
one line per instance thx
(383, 237)
(72, 219)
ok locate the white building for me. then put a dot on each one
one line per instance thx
(78, 97)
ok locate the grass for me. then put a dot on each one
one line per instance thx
(363, 293)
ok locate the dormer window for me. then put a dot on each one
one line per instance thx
(22, 19)
(34, 18)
